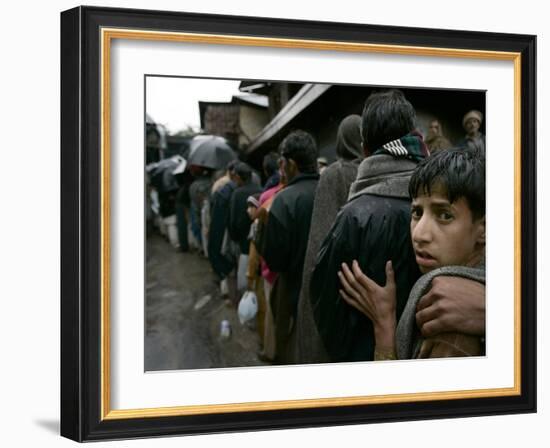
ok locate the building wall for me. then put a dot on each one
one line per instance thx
(251, 121)
(222, 120)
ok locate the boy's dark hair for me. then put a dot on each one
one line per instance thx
(386, 116)
(461, 172)
(243, 171)
(301, 147)
(270, 163)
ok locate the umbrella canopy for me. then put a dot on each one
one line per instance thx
(210, 151)
(162, 173)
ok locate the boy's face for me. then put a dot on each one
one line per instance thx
(445, 233)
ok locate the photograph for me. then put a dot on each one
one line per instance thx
(301, 223)
(275, 224)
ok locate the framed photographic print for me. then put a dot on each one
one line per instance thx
(220, 177)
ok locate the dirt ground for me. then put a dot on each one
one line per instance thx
(183, 314)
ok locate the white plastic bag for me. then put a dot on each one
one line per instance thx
(248, 307)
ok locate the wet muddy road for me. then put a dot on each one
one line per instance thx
(183, 315)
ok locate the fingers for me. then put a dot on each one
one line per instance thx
(349, 284)
(352, 280)
(390, 275)
(347, 298)
(426, 301)
(351, 301)
(431, 320)
(364, 294)
(426, 315)
(365, 281)
(347, 273)
(360, 276)
(431, 328)
(353, 293)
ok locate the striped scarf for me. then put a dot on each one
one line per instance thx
(411, 146)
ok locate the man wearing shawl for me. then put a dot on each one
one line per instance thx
(372, 228)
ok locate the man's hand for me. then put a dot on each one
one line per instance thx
(453, 304)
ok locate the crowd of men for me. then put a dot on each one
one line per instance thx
(380, 257)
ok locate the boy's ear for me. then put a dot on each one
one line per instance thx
(480, 231)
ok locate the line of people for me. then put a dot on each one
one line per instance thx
(327, 244)
(382, 256)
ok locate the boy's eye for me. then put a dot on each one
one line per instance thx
(445, 216)
(416, 212)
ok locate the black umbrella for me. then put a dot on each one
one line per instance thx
(162, 176)
(210, 151)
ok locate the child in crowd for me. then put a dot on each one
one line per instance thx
(448, 237)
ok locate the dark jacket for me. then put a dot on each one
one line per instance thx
(239, 222)
(218, 224)
(286, 234)
(283, 247)
(372, 228)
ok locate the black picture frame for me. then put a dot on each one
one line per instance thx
(81, 224)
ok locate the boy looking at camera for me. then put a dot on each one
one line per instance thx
(448, 237)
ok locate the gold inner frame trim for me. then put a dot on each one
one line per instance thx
(107, 35)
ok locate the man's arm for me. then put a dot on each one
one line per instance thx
(453, 304)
